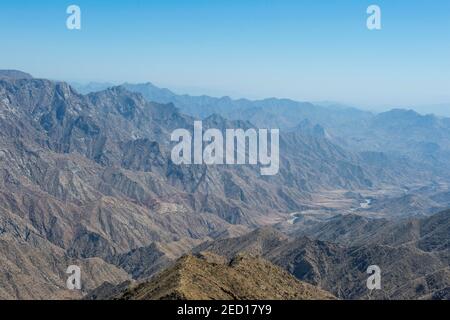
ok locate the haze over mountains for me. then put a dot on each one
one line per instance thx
(88, 180)
(424, 138)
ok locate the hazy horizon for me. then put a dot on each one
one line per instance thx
(301, 50)
(439, 109)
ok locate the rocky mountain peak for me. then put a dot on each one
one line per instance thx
(14, 75)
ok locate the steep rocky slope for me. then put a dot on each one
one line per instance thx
(413, 255)
(427, 234)
(419, 141)
(213, 277)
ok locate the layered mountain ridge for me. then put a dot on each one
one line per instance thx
(211, 277)
(92, 175)
(88, 180)
(413, 255)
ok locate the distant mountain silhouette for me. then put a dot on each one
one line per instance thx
(14, 75)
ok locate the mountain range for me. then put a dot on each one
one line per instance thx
(400, 134)
(207, 276)
(413, 254)
(87, 179)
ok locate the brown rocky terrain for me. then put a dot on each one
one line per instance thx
(88, 180)
(413, 255)
(427, 234)
(91, 176)
(209, 276)
(35, 269)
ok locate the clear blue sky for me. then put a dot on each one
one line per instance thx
(307, 50)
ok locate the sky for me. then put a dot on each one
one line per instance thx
(310, 50)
